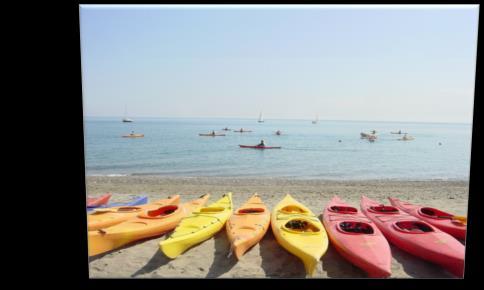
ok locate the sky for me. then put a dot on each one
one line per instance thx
(373, 63)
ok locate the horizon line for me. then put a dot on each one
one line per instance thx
(290, 119)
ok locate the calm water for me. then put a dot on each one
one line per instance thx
(172, 147)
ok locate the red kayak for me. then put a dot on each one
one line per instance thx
(97, 201)
(415, 236)
(259, 147)
(357, 238)
(433, 216)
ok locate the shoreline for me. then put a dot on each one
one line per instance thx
(292, 178)
(267, 259)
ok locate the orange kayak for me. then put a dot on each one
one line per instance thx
(106, 217)
(149, 223)
(248, 225)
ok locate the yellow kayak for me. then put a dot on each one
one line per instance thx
(300, 232)
(198, 227)
(107, 217)
(146, 224)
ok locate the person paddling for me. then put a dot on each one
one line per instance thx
(261, 144)
(213, 133)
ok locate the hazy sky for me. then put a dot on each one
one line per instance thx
(341, 62)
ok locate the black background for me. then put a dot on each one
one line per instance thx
(49, 47)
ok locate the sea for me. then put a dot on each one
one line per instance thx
(328, 150)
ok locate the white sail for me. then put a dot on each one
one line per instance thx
(261, 118)
(125, 118)
(315, 121)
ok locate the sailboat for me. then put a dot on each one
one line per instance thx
(125, 118)
(261, 118)
(315, 121)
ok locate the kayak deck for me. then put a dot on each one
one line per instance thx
(211, 135)
(260, 147)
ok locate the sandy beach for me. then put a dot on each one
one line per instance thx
(143, 259)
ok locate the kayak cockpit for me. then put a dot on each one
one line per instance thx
(413, 227)
(301, 226)
(434, 213)
(293, 209)
(250, 211)
(123, 209)
(161, 212)
(384, 209)
(128, 209)
(212, 209)
(352, 227)
(343, 209)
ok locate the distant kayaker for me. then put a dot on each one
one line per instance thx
(262, 144)
(213, 133)
(278, 132)
(373, 132)
(132, 133)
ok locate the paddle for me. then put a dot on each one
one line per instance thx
(460, 219)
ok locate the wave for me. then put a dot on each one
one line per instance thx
(108, 174)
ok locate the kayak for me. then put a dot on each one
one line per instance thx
(433, 216)
(357, 238)
(259, 147)
(242, 131)
(366, 135)
(138, 200)
(416, 236)
(300, 232)
(146, 224)
(197, 227)
(133, 136)
(211, 135)
(106, 217)
(248, 225)
(92, 202)
(226, 129)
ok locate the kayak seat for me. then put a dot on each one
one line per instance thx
(413, 227)
(291, 209)
(356, 227)
(299, 225)
(384, 209)
(251, 210)
(343, 209)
